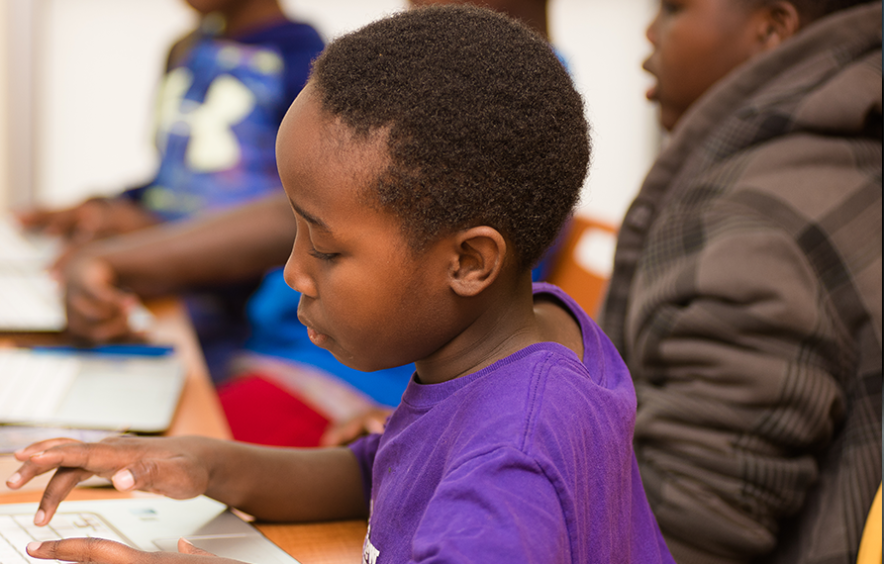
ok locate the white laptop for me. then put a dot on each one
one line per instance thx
(150, 524)
(30, 298)
(104, 389)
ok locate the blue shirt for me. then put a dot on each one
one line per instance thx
(220, 105)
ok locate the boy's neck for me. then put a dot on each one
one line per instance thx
(509, 322)
(246, 16)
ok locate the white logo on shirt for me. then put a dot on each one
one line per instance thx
(369, 553)
(213, 146)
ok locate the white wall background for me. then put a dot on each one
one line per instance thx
(4, 103)
(97, 63)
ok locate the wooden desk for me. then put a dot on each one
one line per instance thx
(199, 413)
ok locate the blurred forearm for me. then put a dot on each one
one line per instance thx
(222, 248)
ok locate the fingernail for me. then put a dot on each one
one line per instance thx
(33, 547)
(123, 480)
(41, 453)
(14, 479)
(186, 541)
(39, 516)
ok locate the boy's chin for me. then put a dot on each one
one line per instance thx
(363, 365)
(668, 117)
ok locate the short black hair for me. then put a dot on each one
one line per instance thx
(484, 126)
(812, 10)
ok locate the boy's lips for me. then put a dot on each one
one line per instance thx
(316, 338)
(651, 94)
(648, 66)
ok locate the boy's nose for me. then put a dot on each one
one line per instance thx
(651, 31)
(295, 275)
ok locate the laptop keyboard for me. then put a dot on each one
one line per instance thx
(33, 384)
(19, 247)
(16, 531)
(30, 300)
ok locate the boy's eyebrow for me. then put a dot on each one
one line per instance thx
(311, 219)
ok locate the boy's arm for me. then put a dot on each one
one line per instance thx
(221, 248)
(290, 485)
(90, 220)
(271, 484)
(224, 248)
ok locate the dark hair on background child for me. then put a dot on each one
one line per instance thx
(811, 10)
(484, 124)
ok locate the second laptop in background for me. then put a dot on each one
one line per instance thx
(121, 388)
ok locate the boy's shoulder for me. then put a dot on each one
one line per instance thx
(542, 390)
(283, 32)
(285, 35)
(548, 379)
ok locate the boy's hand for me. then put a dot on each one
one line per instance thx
(68, 222)
(372, 421)
(95, 218)
(96, 309)
(172, 467)
(101, 551)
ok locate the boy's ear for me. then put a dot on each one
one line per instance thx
(781, 21)
(479, 257)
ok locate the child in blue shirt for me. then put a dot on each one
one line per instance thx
(226, 88)
(430, 161)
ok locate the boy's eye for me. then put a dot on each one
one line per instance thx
(323, 256)
(668, 7)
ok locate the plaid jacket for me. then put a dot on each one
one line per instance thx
(746, 300)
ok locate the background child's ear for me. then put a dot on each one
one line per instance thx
(781, 21)
(480, 254)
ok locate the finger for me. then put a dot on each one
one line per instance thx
(92, 550)
(27, 471)
(340, 434)
(375, 423)
(63, 258)
(93, 457)
(100, 300)
(96, 321)
(60, 485)
(32, 449)
(32, 219)
(94, 277)
(96, 308)
(90, 222)
(59, 223)
(89, 308)
(85, 231)
(186, 547)
(116, 329)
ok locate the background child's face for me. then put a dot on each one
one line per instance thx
(365, 297)
(209, 6)
(696, 43)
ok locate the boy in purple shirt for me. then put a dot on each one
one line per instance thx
(514, 470)
(429, 162)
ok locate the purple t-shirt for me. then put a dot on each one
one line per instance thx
(527, 460)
